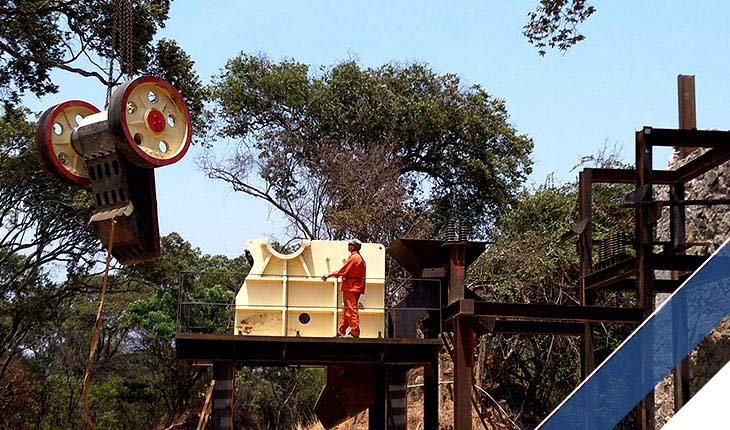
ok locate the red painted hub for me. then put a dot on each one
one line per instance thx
(155, 120)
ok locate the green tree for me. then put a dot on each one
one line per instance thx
(366, 151)
(277, 398)
(137, 381)
(43, 231)
(152, 319)
(108, 41)
(554, 24)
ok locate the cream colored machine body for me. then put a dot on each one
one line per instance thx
(283, 295)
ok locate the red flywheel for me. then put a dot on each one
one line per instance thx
(153, 121)
(53, 140)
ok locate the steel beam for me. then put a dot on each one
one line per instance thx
(286, 351)
(685, 138)
(623, 269)
(537, 328)
(686, 104)
(628, 176)
(549, 312)
(660, 285)
(702, 164)
(677, 262)
(457, 270)
(585, 250)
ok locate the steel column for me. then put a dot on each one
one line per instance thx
(222, 413)
(463, 368)
(644, 270)
(376, 412)
(686, 102)
(687, 121)
(431, 395)
(677, 231)
(585, 211)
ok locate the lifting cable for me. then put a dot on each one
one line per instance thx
(96, 331)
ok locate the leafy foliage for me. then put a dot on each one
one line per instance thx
(84, 38)
(175, 66)
(45, 35)
(358, 151)
(554, 24)
(42, 229)
(277, 398)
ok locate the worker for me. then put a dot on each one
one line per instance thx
(352, 286)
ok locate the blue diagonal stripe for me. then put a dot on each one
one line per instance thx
(651, 352)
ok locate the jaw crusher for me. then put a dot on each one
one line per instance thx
(114, 153)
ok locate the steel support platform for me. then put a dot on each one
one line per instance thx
(389, 360)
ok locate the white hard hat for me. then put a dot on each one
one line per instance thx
(355, 242)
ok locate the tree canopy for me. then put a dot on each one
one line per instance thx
(554, 24)
(107, 41)
(367, 151)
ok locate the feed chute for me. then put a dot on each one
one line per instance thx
(114, 152)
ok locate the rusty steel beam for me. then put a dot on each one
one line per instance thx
(677, 262)
(538, 328)
(628, 176)
(457, 270)
(460, 307)
(616, 276)
(282, 351)
(551, 312)
(622, 270)
(686, 102)
(685, 138)
(660, 285)
(679, 203)
(702, 164)
(613, 283)
(677, 216)
(547, 312)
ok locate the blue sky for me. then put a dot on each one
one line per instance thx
(623, 76)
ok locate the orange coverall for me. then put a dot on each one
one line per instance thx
(353, 284)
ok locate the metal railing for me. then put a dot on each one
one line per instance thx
(206, 308)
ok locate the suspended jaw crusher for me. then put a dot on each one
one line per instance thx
(283, 294)
(114, 153)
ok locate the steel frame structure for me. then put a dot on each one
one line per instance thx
(467, 316)
(390, 360)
